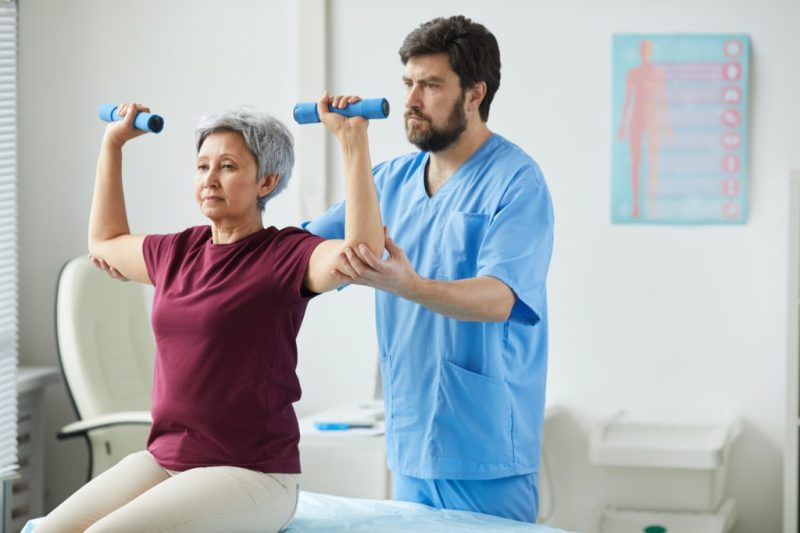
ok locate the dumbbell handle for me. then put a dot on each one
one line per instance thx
(143, 121)
(306, 112)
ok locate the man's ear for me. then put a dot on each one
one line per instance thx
(475, 95)
(268, 185)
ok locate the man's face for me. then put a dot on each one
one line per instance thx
(434, 117)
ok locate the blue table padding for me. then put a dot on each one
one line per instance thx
(322, 513)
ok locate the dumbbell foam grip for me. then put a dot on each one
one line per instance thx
(144, 121)
(306, 113)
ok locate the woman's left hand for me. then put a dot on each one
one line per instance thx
(100, 263)
(339, 124)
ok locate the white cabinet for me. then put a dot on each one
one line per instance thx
(345, 462)
(791, 493)
(27, 489)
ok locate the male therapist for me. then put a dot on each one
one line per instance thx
(461, 303)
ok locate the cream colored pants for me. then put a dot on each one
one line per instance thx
(138, 495)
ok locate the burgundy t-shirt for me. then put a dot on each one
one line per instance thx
(226, 318)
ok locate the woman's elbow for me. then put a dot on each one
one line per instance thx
(98, 247)
(94, 247)
(374, 247)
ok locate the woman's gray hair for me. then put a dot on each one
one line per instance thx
(267, 138)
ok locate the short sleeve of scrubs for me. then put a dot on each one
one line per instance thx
(330, 224)
(518, 243)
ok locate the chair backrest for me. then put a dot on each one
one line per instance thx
(105, 342)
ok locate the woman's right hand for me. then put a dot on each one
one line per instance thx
(121, 131)
(344, 128)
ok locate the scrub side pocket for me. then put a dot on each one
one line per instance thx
(473, 416)
(461, 241)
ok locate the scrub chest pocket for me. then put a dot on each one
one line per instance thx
(461, 242)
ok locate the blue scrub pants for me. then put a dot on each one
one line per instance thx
(515, 497)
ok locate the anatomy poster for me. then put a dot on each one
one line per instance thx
(680, 129)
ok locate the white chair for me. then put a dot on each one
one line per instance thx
(106, 353)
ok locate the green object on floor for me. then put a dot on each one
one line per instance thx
(655, 529)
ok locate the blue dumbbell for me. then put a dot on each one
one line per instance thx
(306, 113)
(143, 121)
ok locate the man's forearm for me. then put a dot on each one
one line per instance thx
(481, 299)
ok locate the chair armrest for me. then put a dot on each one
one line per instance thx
(123, 418)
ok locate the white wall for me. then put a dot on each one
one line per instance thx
(640, 316)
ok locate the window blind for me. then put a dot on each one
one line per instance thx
(8, 237)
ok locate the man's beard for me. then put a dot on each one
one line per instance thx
(435, 139)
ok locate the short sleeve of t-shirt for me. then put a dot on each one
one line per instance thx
(330, 224)
(157, 251)
(292, 251)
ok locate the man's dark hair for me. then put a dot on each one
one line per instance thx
(472, 49)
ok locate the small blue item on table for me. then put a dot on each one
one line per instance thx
(340, 426)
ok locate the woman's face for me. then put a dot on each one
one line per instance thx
(225, 181)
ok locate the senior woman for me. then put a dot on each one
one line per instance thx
(229, 299)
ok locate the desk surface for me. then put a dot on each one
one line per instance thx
(370, 413)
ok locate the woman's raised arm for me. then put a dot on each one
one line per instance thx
(362, 211)
(110, 237)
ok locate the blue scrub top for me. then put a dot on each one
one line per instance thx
(464, 400)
